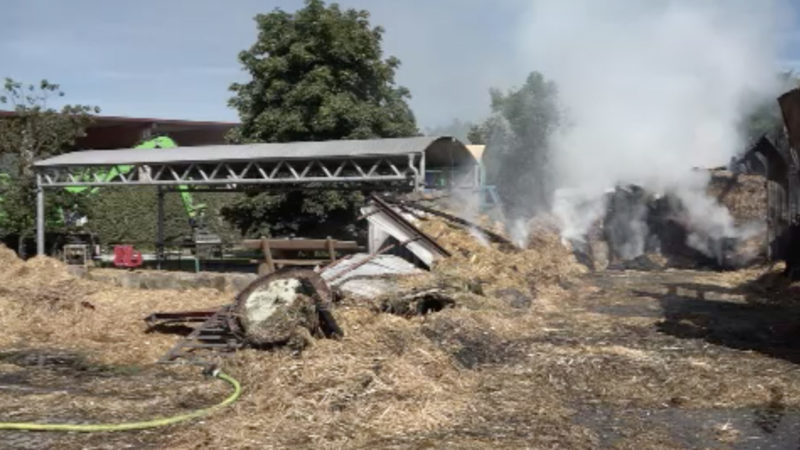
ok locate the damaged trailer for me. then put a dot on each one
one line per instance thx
(779, 164)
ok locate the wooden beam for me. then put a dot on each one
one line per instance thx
(301, 262)
(300, 244)
(268, 266)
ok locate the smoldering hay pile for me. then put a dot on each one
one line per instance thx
(642, 230)
(678, 80)
(545, 263)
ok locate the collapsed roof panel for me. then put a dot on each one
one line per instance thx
(386, 220)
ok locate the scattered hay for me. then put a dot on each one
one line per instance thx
(489, 372)
(382, 379)
(40, 281)
(42, 304)
(478, 266)
(470, 342)
(9, 261)
(768, 287)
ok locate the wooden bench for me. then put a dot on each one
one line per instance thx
(282, 246)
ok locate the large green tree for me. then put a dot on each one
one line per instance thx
(319, 74)
(517, 139)
(34, 131)
(316, 74)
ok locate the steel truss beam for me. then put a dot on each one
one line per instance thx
(233, 174)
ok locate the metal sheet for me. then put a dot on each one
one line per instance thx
(384, 222)
(378, 266)
(356, 278)
(444, 150)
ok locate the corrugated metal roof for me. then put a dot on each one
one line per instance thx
(442, 150)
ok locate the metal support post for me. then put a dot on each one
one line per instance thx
(421, 186)
(39, 215)
(160, 228)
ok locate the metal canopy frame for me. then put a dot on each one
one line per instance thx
(388, 164)
(367, 170)
(397, 172)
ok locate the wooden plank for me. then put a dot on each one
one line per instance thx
(300, 244)
(301, 262)
(269, 265)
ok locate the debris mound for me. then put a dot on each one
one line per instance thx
(480, 266)
(8, 261)
(41, 280)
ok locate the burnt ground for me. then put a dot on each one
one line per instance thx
(671, 359)
(704, 319)
(57, 386)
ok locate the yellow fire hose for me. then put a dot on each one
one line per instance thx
(89, 428)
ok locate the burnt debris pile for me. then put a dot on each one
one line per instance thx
(641, 230)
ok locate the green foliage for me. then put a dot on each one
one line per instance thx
(477, 134)
(325, 213)
(35, 131)
(517, 136)
(129, 214)
(316, 74)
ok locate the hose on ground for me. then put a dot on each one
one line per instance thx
(127, 426)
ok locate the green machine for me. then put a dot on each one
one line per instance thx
(194, 211)
(201, 235)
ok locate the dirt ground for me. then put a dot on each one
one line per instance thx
(668, 359)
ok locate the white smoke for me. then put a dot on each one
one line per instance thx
(651, 90)
(479, 236)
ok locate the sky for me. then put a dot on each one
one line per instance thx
(176, 58)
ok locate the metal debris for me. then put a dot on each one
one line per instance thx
(368, 276)
(384, 218)
(213, 333)
(223, 330)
